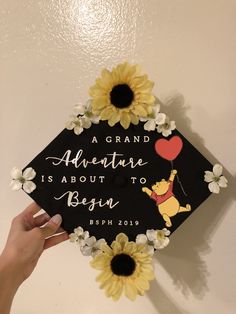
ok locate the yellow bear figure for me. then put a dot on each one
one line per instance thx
(166, 202)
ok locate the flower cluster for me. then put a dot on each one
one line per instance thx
(82, 118)
(215, 179)
(122, 95)
(23, 180)
(154, 240)
(125, 267)
(159, 121)
(89, 246)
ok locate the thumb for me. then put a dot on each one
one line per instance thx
(51, 227)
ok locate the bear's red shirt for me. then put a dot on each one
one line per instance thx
(162, 198)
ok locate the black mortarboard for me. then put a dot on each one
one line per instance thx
(101, 180)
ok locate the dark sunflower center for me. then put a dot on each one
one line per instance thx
(121, 96)
(122, 265)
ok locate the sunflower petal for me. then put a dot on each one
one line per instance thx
(146, 98)
(134, 119)
(125, 120)
(142, 284)
(100, 103)
(106, 249)
(106, 113)
(139, 110)
(116, 247)
(130, 247)
(122, 238)
(104, 276)
(100, 261)
(130, 291)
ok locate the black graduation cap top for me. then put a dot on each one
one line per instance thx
(120, 165)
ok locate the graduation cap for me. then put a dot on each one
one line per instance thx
(119, 172)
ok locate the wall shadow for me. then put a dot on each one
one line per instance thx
(162, 301)
(183, 259)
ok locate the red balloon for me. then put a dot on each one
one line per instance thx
(169, 149)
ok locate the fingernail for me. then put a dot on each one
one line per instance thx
(57, 219)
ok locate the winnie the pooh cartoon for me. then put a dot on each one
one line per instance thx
(162, 193)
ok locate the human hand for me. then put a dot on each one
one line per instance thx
(29, 236)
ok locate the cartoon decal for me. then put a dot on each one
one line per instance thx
(167, 203)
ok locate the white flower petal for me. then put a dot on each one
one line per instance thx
(80, 109)
(161, 244)
(98, 244)
(73, 237)
(95, 252)
(86, 235)
(143, 119)
(159, 128)
(151, 235)
(217, 170)
(149, 249)
(172, 125)
(160, 118)
(223, 182)
(79, 231)
(166, 232)
(78, 130)
(86, 250)
(29, 186)
(88, 105)
(15, 185)
(16, 173)
(156, 109)
(214, 187)
(70, 125)
(86, 123)
(95, 119)
(81, 242)
(166, 132)
(209, 176)
(90, 241)
(141, 239)
(150, 125)
(29, 174)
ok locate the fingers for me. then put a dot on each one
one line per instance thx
(52, 226)
(54, 240)
(32, 209)
(41, 219)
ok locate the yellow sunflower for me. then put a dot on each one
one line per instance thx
(122, 95)
(124, 267)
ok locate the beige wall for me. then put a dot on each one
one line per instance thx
(50, 53)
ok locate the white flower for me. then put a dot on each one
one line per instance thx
(79, 236)
(154, 119)
(215, 179)
(86, 111)
(162, 239)
(167, 127)
(23, 180)
(78, 124)
(154, 239)
(143, 240)
(82, 118)
(92, 247)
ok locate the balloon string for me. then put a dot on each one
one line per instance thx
(178, 179)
